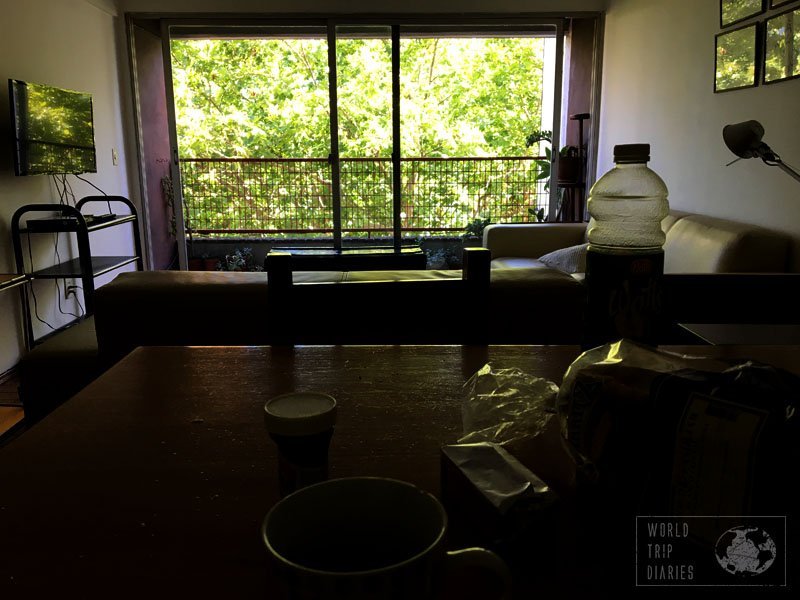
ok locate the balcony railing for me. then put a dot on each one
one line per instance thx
(293, 197)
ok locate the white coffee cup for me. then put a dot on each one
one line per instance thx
(365, 538)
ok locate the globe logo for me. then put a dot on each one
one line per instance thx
(745, 551)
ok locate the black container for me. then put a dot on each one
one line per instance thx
(301, 425)
(624, 296)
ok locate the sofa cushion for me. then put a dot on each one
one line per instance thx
(531, 240)
(516, 262)
(535, 305)
(401, 275)
(317, 276)
(703, 244)
(571, 259)
(183, 308)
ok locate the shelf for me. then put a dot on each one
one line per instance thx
(11, 280)
(65, 224)
(72, 269)
(64, 218)
(117, 221)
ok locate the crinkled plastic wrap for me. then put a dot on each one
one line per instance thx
(624, 360)
(681, 434)
(516, 410)
(505, 405)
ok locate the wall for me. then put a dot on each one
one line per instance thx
(69, 44)
(658, 76)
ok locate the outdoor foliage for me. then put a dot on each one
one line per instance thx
(268, 98)
(783, 46)
(736, 59)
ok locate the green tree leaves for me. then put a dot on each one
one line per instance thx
(269, 98)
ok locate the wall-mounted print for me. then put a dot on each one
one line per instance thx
(733, 11)
(777, 3)
(736, 59)
(782, 47)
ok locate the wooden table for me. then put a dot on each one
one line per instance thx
(156, 477)
(745, 333)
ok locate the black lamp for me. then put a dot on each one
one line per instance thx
(744, 140)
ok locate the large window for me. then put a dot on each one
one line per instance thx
(348, 131)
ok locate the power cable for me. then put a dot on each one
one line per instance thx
(97, 188)
(33, 293)
(58, 289)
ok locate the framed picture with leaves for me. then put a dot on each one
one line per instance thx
(782, 46)
(735, 11)
(736, 63)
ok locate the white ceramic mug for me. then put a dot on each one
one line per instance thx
(367, 538)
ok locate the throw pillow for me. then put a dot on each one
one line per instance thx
(569, 260)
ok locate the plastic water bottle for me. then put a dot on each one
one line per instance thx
(625, 259)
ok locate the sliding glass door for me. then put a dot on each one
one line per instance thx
(351, 130)
(469, 98)
(363, 99)
(253, 126)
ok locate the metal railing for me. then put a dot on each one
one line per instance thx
(292, 197)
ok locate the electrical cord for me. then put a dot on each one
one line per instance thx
(80, 306)
(59, 190)
(97, 188)
(35, 304)
(68, 189)
(65, 193)
(58, 288)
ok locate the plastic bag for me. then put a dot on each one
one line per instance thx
(675, 434)
(517, 411)
(505, 405)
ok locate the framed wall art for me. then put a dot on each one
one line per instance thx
(782, 46)
(734, 11)
(736, 63)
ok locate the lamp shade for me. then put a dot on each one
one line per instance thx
(743, 139)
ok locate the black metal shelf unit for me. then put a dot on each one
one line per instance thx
(70, 219)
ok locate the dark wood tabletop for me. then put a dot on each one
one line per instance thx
(156, 477)
(745, 333)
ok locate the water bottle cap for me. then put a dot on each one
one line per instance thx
(631, 153)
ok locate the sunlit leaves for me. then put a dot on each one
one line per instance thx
(736, 10)
(268, 98)
(783, 46)
(736, 59)
(55, 129)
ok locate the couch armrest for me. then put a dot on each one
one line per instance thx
(531, 240)
(731, 297)
(180, 308)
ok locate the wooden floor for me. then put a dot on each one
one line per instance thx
(10, 416)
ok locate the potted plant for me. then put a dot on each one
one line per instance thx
(203, 263)
(569, 161)
(473, 232)
(241, 260)
(536, 215)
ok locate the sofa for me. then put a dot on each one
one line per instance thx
(527, 302)
(317, 307)
(694, 244)
(716, 271)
